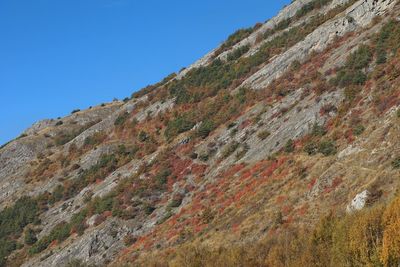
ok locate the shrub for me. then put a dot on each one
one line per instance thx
(6, 247)
(311, 148)
(30, 237)
(289, 146)
(176, 202)
(381, 56)
(242, 151)
(64, 137)
(207, 216)
(398, 113)
(162, 176)
(95, 139)
(40, 245)
(360, 58)
(78, 263)
(229, 149)
(263, 135)
(143, 136)
(238, 52)
(231, 125)
(327, 148)
(75, 111)
(148, 209)
(77, 222)
(60, 232)
(353, 71)
(129, 240)
(203, 157)
(295, 65)
(315, 4)
(205, 128)
(358, 129)
(179, 125)
(350, 92)
(233, 39)
(388, 39)
(57, 193)
(318, 130)
(15, 218)
(278, 218)
(396, 163)
(121, 119)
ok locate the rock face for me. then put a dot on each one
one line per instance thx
(94, 248)
(286, 13)
(358, 202)
(358, 15)
(304, 148)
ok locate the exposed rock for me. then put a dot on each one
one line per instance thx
(362, 13)
(97, 247)
(358, 202)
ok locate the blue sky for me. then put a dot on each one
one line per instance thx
(59, 55)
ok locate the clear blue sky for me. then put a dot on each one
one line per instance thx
(59, 55)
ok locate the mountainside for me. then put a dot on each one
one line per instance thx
(281, 147)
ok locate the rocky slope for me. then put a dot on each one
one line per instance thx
(284, 123)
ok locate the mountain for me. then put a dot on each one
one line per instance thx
(281, 147)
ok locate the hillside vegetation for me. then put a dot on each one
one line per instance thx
(281, 147)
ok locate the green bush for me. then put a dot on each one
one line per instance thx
(358, 129)
(57, 193)
(360, 59)
(121, 119)
(95, 139)
(353, 72)
(61, 232)
(148, 209)
(289, 146)
(327, 148)
(105, 165)
(381, 56)
(179, 125)
(143, 136)
(237, 53)
(162, 176)
(307, 8)
(204, 157)
(396, 163)
(205, 128)
(6, 247)
(39, 246)
(176, 202)
(388, 40)
(15, 218)
(101, 205)
(318, 130)
(30, 237)
(233, 39)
